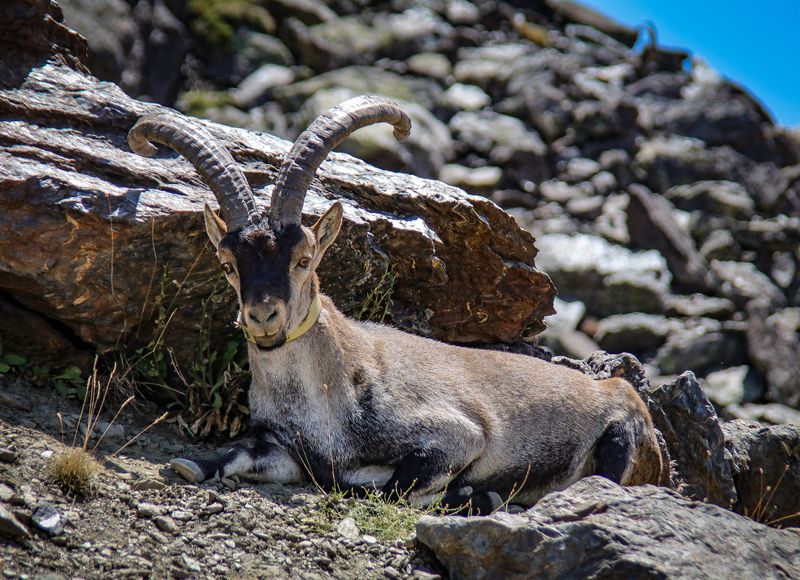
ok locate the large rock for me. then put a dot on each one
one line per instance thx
(596, 529)
(609, 279)
(766, 470)
(696, 444)
(774, 343)
(99, 241)
(652, 225)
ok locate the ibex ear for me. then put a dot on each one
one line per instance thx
(215, 227)
(327, 228)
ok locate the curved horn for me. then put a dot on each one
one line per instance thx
(314, 144)
(211, 160)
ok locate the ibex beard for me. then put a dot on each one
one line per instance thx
(356, 405)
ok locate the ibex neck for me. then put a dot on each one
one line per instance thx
(309, 321)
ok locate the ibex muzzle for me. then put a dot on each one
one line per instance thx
(350, 404)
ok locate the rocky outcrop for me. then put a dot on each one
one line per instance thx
(596, 529)
(103, 245)
(766, 470)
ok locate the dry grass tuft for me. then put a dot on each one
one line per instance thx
(74, 470)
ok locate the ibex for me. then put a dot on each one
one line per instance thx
(355, 404)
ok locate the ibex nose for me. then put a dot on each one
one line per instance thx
(265, 316)
(266, 313)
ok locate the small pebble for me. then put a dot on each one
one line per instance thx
(167, 524)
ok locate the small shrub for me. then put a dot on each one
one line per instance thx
(74, 470)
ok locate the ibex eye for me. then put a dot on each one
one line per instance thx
(304, 262)
(227, 268)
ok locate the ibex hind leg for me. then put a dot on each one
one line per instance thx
(255, 460)
(613, 453)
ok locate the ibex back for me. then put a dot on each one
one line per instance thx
(352, 404)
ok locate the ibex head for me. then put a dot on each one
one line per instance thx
(270, 260)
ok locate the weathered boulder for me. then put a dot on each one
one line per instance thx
(689, 424)
(652, 226)
(608, 279)
(701, 344)
(597, 529)
(632, 332)
(732, 386)
(774, 344)
(770, 413)
(766, 470)
(99, 242)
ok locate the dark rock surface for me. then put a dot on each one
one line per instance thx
(596, 529)
(766, 470)
(683, 414)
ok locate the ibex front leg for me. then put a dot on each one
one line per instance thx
(430, 475)
(259, 459)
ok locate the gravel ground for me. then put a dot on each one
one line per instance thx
(143, 521)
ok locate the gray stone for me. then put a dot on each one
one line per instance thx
(720, 245)
(504, 140)
(167, 524)
(361, 80)
(487, 66)
(148, 510)
(766, 470)
(430, 64)
(634, 332)
(773, 343)
(10, 526)
(461, 97)
(348, 529)
(7, 455)
(701, 344)
(579, 169)
(691, 429)
(612, 223)
(365, 38)
(596, 529)
(772, 413)
(110, 30)
(731, 386)
(47, 518)
(569, 343)
(586, 208)
(652, 225)
(254, 89)
(604, 183)
(698, 305)
(742, 282)
(609, 279)
(471, 178)
(723, 198)
(561, 192)
(462, 12)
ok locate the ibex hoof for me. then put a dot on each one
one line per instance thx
(187, 469)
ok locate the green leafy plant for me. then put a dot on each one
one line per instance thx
(208, 394)
(11, 362)
(214, 20)
(378, 303)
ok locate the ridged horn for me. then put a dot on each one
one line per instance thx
(314, 144)
(211, 160)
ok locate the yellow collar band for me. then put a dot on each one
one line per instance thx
(311, 318)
